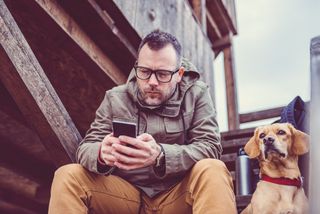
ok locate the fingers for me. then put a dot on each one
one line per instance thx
(117, 151)
(145, 137)
(107, 149)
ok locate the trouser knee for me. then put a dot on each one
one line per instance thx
(211, 170)
(213, 165)
(69, 170)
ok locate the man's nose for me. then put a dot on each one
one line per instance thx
(153, 80)
(268, 141)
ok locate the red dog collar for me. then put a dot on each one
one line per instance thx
(283, 181)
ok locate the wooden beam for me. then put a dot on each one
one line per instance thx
(11, 181)
(82, 39)
(220, 13)
(222, 43)
(231, 89)
(260, 115)
(212, 25)
(199, 10)
(315, 124)
(34, 94)
(112, 25)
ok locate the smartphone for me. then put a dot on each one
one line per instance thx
(124, 128)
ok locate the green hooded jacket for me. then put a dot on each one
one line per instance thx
(185, 125)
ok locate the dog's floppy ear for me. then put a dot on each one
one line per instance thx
(300, 141)
(252, 147)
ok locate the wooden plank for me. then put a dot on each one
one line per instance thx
(231, 89)
(111, 24)
(234, 143)
(221, 16)
(213, 29)
(240, 133)
(315, 124)
(260, 115)
(11, 181)
(81, 38)
(199, 10)
(34, 94)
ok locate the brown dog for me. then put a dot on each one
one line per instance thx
(277, 148)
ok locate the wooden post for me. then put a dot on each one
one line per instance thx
(231, 88)
(314, 190)
(32, 91)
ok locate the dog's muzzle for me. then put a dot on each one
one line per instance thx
(270, 147)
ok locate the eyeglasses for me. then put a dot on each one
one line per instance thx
(162, 76)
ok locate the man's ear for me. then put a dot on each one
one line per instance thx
(300, 141)
(180, 73)
(252, 147)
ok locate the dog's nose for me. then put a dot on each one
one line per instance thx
(268, 141)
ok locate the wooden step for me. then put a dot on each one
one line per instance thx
(234, 142)
(236, 134)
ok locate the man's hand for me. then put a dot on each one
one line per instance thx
(143, 152)
(106, 149)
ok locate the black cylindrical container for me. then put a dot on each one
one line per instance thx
(243, 174)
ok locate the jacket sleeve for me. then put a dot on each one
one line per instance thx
(88, 150)
(203, 140)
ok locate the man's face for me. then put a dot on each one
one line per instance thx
(151, 90)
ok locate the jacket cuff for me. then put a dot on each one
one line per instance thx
(171, 165)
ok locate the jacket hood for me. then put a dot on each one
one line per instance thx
(171, 107)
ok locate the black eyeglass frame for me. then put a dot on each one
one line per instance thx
(155, 73)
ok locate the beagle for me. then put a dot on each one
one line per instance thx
(277, 148)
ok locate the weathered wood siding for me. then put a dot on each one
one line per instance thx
(175, 17)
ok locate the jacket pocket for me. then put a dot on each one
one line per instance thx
(175, 128)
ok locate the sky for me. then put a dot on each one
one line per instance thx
(272, 59)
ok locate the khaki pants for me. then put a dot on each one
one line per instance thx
(207, 188)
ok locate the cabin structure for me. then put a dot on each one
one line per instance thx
(57, 59)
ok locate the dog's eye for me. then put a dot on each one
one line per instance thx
(262, 135)
(281, 132)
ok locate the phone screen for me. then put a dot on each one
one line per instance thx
(124, 128)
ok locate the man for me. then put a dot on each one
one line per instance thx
(171, 166)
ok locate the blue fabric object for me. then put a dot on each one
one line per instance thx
(296, 113)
